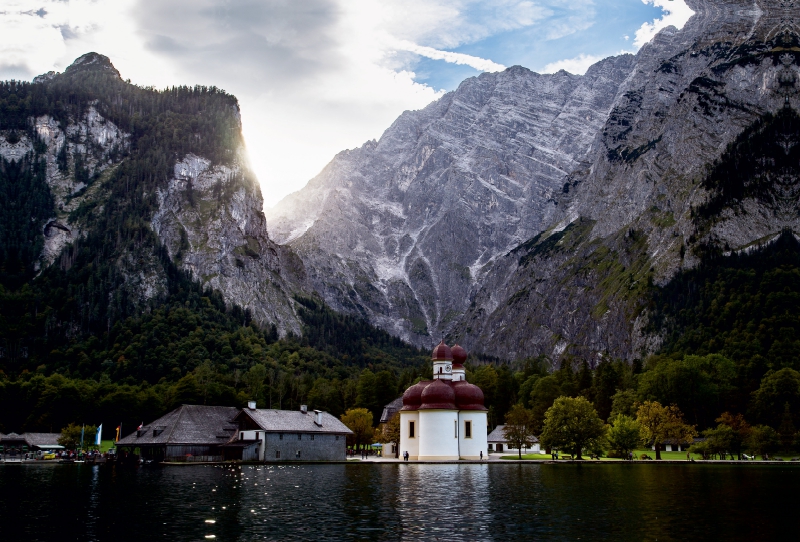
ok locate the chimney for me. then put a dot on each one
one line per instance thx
(318, 417)
(304, 409)
(251, 405)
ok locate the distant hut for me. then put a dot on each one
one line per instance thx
(43, 441)
(499, 443)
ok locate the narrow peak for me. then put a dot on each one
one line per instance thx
(92, 62)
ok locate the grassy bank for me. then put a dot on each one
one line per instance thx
(671, 456)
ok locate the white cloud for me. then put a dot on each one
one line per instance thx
(313, 77)
(676, 13)
(577, 65)
(478, 63)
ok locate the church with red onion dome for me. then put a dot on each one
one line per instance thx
(444, 418)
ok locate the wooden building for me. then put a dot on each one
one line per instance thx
(29, 442)
(188, 433)
(211, 433)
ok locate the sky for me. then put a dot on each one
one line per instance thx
(315, 77)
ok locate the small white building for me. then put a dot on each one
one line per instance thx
(444, 418)
(498, 443)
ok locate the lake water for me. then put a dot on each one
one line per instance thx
(400, 502)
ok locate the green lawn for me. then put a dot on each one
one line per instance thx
(106, 445)
(651, 453)
(674, 456)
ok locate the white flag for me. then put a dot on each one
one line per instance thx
(99, 435)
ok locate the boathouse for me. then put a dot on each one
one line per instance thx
(289, 435)
(188, 433)
(195, 433)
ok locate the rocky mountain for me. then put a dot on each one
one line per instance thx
(526, 214)
(640, 213)
(401, 230)
(104, 162)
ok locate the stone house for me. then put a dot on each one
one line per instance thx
(291, 435)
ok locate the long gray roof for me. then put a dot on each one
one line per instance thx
(42, 439)
(286, 421)
(498, 436)
(187, 424)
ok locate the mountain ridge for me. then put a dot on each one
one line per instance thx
(377, 222)
(617, 220)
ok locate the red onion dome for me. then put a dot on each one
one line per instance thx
(442, 353)
(459, 355)
(468, 396)
(438, 395)
(412, 397)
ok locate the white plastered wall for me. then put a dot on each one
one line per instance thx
(437, 435)
(471, 448)
(410, 445)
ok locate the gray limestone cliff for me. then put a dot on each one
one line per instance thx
(210, 219)
(207, 215)
(632, 217)
(528, 214)
(402, 229)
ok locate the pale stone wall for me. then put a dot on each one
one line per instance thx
(471, 448)
(437, 434)
(407, 444)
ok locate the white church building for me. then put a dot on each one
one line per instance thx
(444, 418)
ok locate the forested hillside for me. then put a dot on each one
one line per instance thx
(79, 342)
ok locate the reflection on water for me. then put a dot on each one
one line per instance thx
(399, 502)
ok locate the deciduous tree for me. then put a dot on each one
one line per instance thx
(359, 421)
(624, 435)
(776, 390)
(659, 423)
(519, 428)
(763, 441)
(741, 430)
(71, 436)
(572, 425)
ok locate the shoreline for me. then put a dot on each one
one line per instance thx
(728, 462)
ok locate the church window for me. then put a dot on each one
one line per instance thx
(277, 454)
(410, 429)
(455, 426)
(467, 429)
(299, 436)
